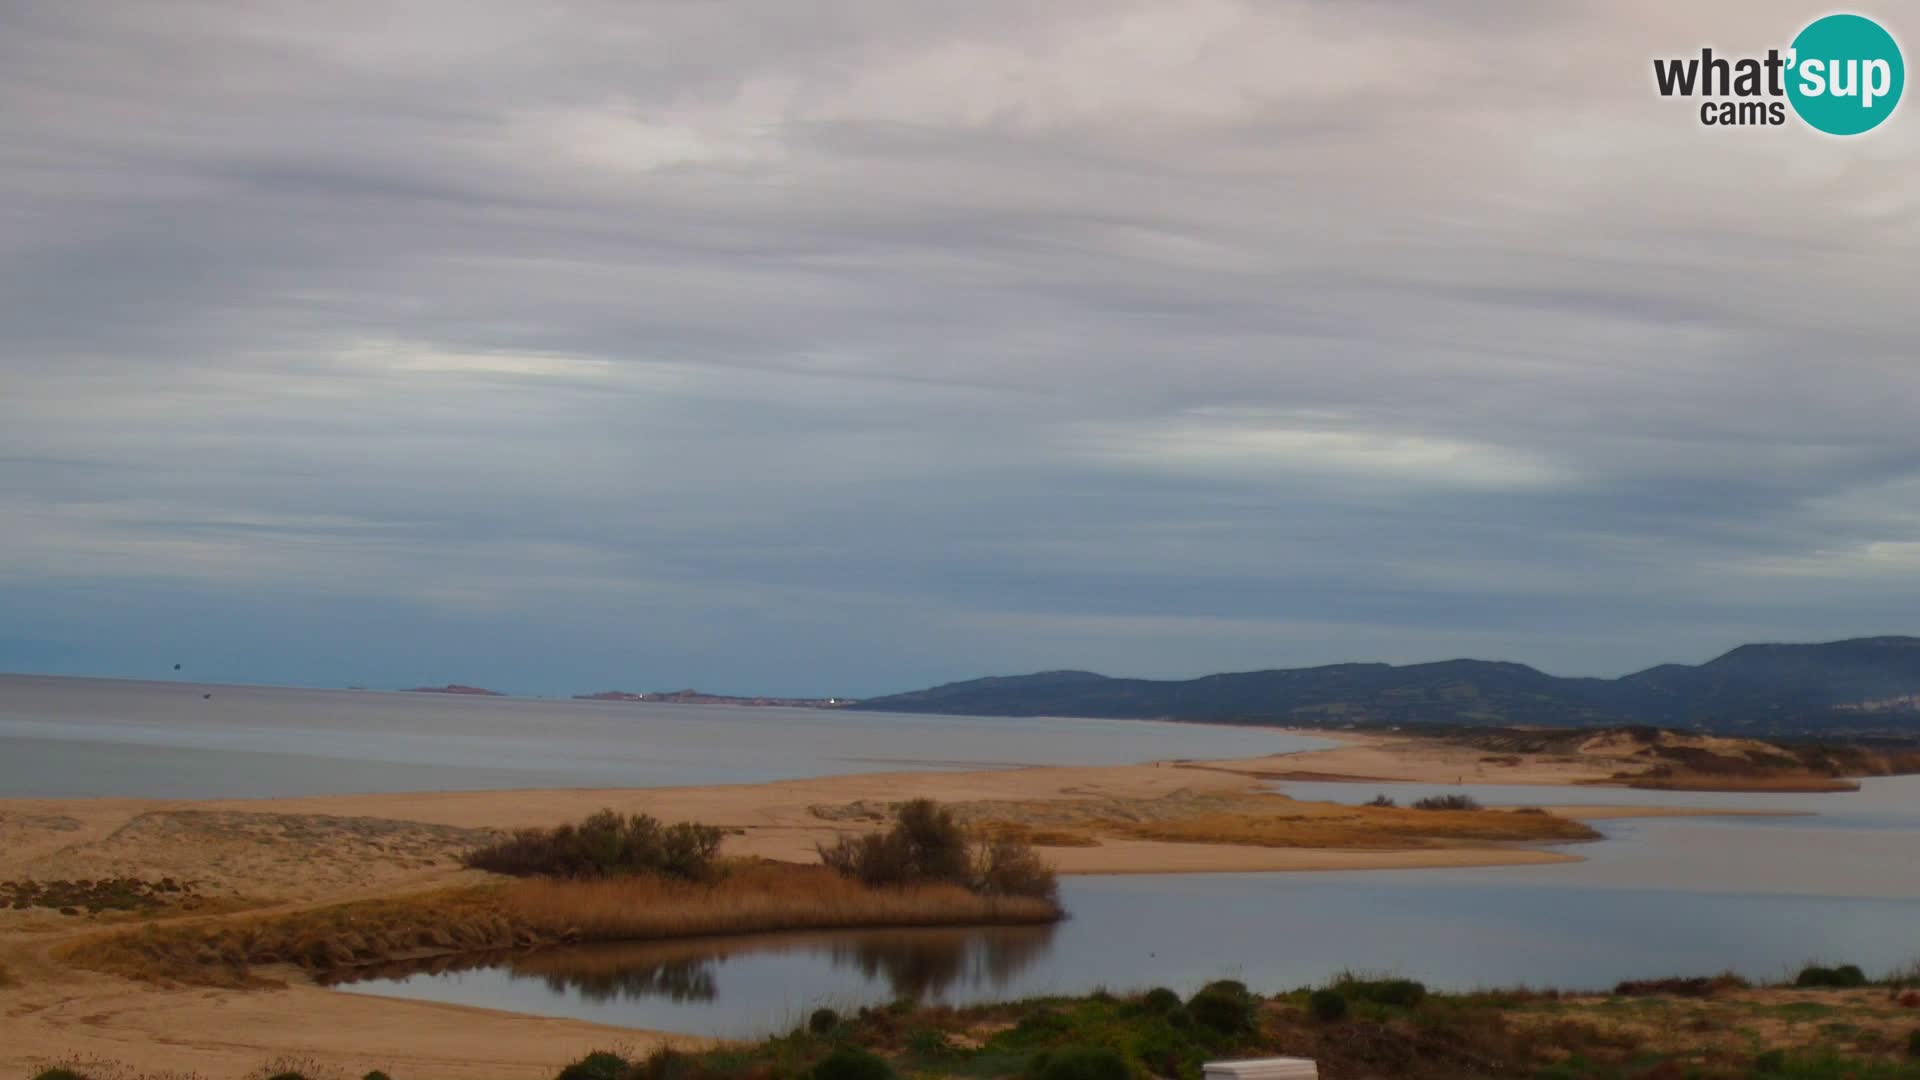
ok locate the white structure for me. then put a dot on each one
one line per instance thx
(1262, 1069)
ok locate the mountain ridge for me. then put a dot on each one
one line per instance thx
(1853, 686)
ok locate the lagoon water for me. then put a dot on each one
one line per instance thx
(62, 737)
(1658, 896)
(1837, 880)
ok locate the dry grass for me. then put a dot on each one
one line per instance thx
(1783, 781)
(1266, 820)
(1026, 834)
(1325, 825)
(750, 898)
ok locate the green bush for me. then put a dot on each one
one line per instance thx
(1913, 1044)
(286, 1076)
(1082, 1063)
(1327, 1006)
(1770, 1063)
(1160, 1000)
(1042, 1024)
(1225, 1007)
(929, 1043)
(823, 1021)
(599, 1065)
(604, 845)
(376, 1074)
(1166, 1052)
(1844, 977)
(665, 1063)
(852, 1063)
(1397, 993)
(1447, 802)
(59, 1072)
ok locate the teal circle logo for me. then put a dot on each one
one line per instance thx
(1845, 74)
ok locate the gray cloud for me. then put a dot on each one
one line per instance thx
(846, 350)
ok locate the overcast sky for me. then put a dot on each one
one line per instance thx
(848, 348)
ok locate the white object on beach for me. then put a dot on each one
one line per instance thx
(1279, 1068)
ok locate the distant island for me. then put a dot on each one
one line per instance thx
(454, 688)
(696, 697)
(1858, 688)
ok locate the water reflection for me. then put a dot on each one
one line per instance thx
(941, 964)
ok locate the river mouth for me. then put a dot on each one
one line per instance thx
(1760, 896)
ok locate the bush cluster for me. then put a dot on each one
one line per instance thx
(1080, 1063)
(1225, 1007)
(1447, 802)
(1394, 993)
(606, 844)
(927, 845)
(1844, 977)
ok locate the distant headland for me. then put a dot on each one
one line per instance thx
(697, 697)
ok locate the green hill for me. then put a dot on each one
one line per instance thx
(1855, 687)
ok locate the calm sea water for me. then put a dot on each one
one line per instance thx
(91, 737)
(1659, 896)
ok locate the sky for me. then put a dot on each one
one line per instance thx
(847, 348)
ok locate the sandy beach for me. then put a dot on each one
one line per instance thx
(257, 855)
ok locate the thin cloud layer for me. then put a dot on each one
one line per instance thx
(842, 352)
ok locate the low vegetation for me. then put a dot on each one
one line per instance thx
(1353, 1026)
(1447, 802)
(1716, 1028)
(928, 846)
(741, 898)
(93, 897)
(605, 845)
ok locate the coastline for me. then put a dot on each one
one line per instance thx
(257, 855)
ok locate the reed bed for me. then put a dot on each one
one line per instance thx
(747, 898)
(751, 899)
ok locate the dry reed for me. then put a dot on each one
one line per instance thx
(750, 899)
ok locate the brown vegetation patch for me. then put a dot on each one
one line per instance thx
(1267, 820)
(748, 898)
(93, 897)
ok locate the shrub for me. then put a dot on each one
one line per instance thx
(376, 1074)
(852, 1063)
(1082, 1063)
(1006, 866)
(927, 845)
(1160, 1000)
(1447, 802)
(1398, 993)
(1913, 1044)
(287, 1076)
(1225, 1007)
(929, 1043)
(59, 1072)
(604, 845)
(823, 1021)
(599, 1065)
(1327, 1006)
(1382, 800)
(665, 1063)
(1770, 1063)
(1844, 977)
